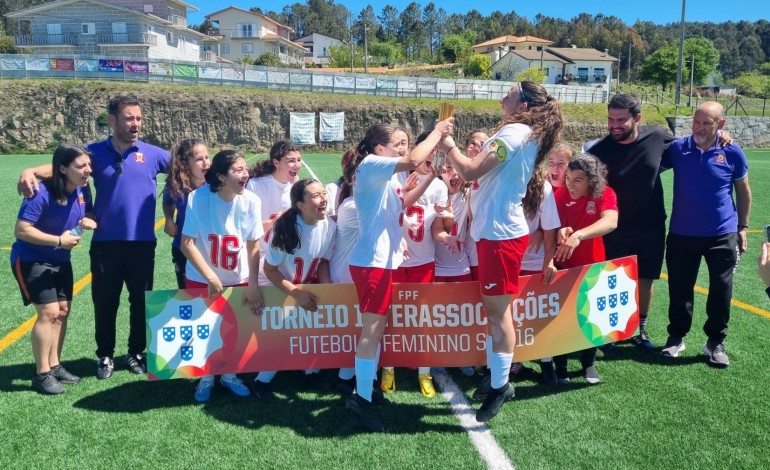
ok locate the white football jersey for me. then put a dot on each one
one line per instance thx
(332, 189)
(496, 200)
(221, 230)
(316, 243)
(347, 232)
(379, 201)
(448, 264)
(275, 199)
(547, 218)
(417, 221)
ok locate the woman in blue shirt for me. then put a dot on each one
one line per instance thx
(49, 225)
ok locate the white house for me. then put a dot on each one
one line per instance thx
(515, 61)
(239, 33)
(317, 48)
(496, 48)
(127, 29)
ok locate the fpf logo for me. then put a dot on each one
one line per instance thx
(608, 303)
(189, 333)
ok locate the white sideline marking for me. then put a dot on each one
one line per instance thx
(310, 170)
(482, 439)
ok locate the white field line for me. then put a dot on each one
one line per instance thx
(310, 170)
(479, 434)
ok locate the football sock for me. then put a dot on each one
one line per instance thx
(266, 376)
(366, 371)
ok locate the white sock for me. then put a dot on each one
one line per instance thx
(423, 370)
(499, 365)
(266, 376)
(347, 373)
(366, 371)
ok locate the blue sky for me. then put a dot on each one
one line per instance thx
(657, 11)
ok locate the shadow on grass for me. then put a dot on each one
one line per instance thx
(8, 374)
(631, 352)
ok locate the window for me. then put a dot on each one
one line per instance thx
(207, 48)
(599, 74)
(247, 47)
(119, 32)
(169, 37)
(245, 30)
(225, 48)
(582, 73)
(88, 28)
(54, 33)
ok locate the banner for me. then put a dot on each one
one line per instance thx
(133, 66)
(331, 127)
(256, 75)
(63, 65)
(439, 325)
(109, 65)
(302, 128)
(210, 72)
(186, 71)
(38, 64)
(86, 65)
(12, 64)
(161, 69)
(232, 74)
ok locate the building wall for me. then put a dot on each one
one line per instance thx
(507, 67)
(322, 43)
(228, 20)
(182, 48)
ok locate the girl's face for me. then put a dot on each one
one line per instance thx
(474, 144)
(452, 180)
(424, 169)
(557, 167)
(287, 168)
(398, 146)
(577, 183)
(199, 164)
(237, 176)
(77, 173)
(314, 203)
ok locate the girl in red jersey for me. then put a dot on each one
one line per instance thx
(588, 209)
(377, 251)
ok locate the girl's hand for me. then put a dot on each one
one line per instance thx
(535, 242)
(411, 181)
(170, 228)
(253, 297)
(549, 273)
(88, 223)
(564, 249)
(306, 300)
(452, 244)
(215, 287)
(68, 240)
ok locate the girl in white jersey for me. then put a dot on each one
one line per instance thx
(417, 224)
(473, 145)
(220, 240)
(504, 167)
(377, 252)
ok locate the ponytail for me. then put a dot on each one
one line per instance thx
(286, 236)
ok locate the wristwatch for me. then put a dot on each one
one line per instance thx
(742, 227)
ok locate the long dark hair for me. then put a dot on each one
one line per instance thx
(286, 235)
(266, 167)
(543, 115)
(377, 134)
(220, 165)
(179, 171)
(64, 155)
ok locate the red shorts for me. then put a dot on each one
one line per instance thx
(461, 278)
(374, 286)
(190, 284)
(524, 272)
(475, 273)
(499, 265)
(422, 274)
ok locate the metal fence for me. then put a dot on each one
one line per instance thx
(205, 73)
(734, 105)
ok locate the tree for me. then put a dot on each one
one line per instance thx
(455, 48)
(478, 65)
(389, 23)
(534, 74)
(386, 53)
(752, 84)
(660, 67)
(429, 20)
(6, 45)
(268, 59)
(339, 56)
(412, 31)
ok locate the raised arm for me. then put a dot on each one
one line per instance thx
(419, 154)
(27, 185)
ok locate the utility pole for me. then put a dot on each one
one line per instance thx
(679, 66)
(692, 75)
(350, 20)
(366, 50)
(628, 79)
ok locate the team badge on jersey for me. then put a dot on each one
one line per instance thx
(81, 200)
(139, 157)
(720, 159)
(499, 149)
(591, 207)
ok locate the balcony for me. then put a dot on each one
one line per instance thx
(208, 56)
(180, 21)
(243, 35)
(127, 38)
(38, 40)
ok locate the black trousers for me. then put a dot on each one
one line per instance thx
(683, 258)
(180, 266)
(114, 263)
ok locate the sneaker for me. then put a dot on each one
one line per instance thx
(345, 387)
(481, 392)
(606, 348)
(548, 373)
(378, 398)
(561, 376)
(317, 382)
(262, 390)
(104, 368)
(135, 363)
(363, 410)
(388, 380)
(468, 371)
(592, 376)
(64, 376)
(426, 385)
(235, 385)
(716, 353)
(494, 401)
(643, 339)
(673, 347)
(203, 390)
(47, 384)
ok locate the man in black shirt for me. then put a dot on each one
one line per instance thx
(633, 155)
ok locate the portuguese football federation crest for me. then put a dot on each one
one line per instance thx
(606, 303)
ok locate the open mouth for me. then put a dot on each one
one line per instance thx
(293, 174)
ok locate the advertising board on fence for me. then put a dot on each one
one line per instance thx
(440, 325)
